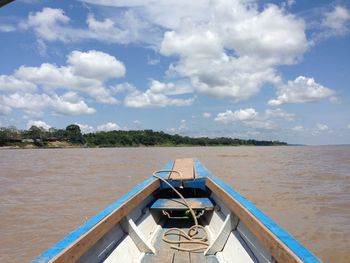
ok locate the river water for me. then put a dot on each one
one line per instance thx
(46, 193)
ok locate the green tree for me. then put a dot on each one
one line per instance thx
(73, 134)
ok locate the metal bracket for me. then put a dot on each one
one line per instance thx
(198, 215)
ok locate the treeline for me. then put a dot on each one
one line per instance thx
(72, 134)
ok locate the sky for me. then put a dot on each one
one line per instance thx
(265, 70)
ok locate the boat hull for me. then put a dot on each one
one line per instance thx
(129, 230)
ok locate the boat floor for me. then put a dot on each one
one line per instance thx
(165, 254)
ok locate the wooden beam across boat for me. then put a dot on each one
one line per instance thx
(185, 167)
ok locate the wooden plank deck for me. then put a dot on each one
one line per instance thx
(165, 254)
(185, 167)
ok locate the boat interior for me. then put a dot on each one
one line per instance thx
(140, 236)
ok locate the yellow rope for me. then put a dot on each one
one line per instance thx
(192, 234)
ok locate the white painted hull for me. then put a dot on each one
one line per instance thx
(117, 246)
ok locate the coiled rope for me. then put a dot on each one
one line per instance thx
(193, 234)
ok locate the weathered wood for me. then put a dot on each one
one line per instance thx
(272, 243)
(218, 244)
(185, 167)
(140, 241)
(86, 241)
(178, 204)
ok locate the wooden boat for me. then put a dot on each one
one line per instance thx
(154, 223)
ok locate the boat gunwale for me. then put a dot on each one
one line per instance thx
(278, 238)
(58, 250)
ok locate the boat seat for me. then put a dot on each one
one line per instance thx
(177, 204)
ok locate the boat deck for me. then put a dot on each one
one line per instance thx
(165, 254)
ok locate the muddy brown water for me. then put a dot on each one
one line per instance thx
(45, 194)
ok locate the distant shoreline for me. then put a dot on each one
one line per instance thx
(71, 146)
(72, 137)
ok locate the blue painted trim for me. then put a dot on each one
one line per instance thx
(303, 253)
(81, 230)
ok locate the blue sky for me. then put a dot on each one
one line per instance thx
(272, 70)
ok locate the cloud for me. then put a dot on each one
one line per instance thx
(48, 24)
(86, 128)
(85, 72)
(7, 28)
(206, 115)
(290, 2)
(299, 128)
(322, 127)
(35, 103)
(301, 90)
(337, 21)
(109, 126)
(227, 49)
(237, 50)
(250, 117)
(4, 110)
(158, 95)
(153, 61)
(183, 127)
(95, 65)
(39, 124)
(348, 127)
(239, 115)
(279, 113)
(11, 83)
(51, 24)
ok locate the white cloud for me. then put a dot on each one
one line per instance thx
(206, 115)
(238, 115)
(291, 2)
(85, 72)
(4, 110)
(52, 24)
(7, 28)
(279, 113)
(236, 51)
(35, 103)
(85, 128)
(39, 124)
(158, 95)
(251, 118)
(322, 127)
(348, 127)
(166, 14)
(11, 83)
(109, 126)
(61, 106)
(153, 61)
(48, 24)
(337, 20)
(262, 124)
(299, 128)
(227, 48)
(95, 65)
(183, 126)
(301, 90)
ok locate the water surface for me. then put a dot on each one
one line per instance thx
(46, 193)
